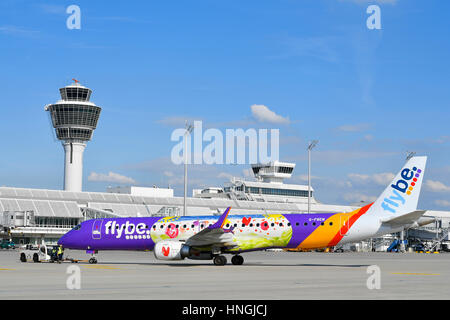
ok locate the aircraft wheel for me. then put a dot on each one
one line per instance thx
(92, 261)
(237, 260)
(220, 260)
(35, 257)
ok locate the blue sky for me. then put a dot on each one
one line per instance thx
(367, 95)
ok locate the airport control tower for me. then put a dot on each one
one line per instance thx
(74, 118)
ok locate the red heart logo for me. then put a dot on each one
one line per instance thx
(165, 251)
(246, 221)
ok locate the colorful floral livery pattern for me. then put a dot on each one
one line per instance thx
(253, 232)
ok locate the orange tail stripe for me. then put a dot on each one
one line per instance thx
(351, 221)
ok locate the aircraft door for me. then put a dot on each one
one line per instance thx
(96, 229)
(345, 224)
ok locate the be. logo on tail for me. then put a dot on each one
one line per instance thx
(402, 187)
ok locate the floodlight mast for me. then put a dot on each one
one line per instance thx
(189, 128)
(311, 145)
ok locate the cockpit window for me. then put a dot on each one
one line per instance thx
(78, 227)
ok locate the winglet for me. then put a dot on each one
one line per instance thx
(219, 224)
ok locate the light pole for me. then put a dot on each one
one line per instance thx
(409, 155)
(189, 128)
(311, 145)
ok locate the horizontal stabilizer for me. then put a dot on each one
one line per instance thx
(405, 219)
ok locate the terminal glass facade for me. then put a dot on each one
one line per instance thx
(56, 222)
(274, 191)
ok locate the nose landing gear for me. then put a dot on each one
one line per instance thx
(93, 259)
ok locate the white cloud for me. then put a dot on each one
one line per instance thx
(177, 121)
(225, 175)
(371, 1)
(383, 178)
(168, 173)
(344, 156)
(436, 186)
(354, 127)
(357, 197)
(379, 178)
(322, 48)
(53, 9)
(264, 114)
(442, 203)
(18, 31)
(111, 177)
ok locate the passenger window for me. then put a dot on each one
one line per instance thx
(313, 223)
(305, 224)
(281, 224)
(331, 223)
(296, 223)
(257, 224)
(272, 224)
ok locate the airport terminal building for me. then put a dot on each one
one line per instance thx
(39, 215)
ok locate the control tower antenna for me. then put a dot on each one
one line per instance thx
(74, 118)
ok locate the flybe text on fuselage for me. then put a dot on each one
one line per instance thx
(127, 228)
(402, 188)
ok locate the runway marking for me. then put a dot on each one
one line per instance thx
(6, 269)
(417, 273)
(102, 267)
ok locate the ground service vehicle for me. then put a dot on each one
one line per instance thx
(38, 253)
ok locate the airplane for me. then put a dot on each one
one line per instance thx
(211, 237)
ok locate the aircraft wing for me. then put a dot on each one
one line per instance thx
(406, 219)
(214, 234)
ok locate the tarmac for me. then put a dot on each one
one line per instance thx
(263, 276)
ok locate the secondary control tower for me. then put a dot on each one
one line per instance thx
(74, 118)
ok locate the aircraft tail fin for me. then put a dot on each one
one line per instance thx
(402, 195)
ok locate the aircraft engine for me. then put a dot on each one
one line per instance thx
(175, 250)
(171, 250)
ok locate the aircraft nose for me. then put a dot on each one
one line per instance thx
(62, 240)
(66, 240)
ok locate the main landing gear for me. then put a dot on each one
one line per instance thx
(220, 260)
(93, 260)
(237, 260)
